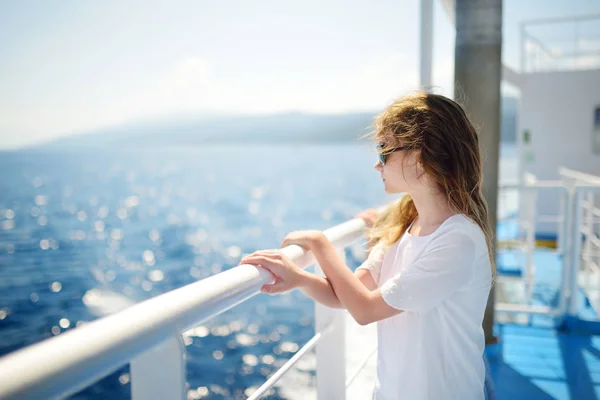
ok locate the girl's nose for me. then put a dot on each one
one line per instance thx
(378, 166)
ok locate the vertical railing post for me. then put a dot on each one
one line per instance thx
(575, 254)
(331, 357)
(567, 243)
(589, 227)
(159, 373)
(524, 55)
(530, 182)
(560, 232)
(426, 44)
(594, 249)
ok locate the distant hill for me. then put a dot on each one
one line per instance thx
(247, 129)
(272, 129)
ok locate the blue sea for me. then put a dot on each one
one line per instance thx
(142, 222)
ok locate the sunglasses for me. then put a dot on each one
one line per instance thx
(383, 155)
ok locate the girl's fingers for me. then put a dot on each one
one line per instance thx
(267, 289)
(252, 258)
(273, 266)
(273, 275)
(277, 287)
(266, 253)
(262, 260)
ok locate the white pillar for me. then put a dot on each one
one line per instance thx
(566, 246)
(159, 373)
(575, 254)
(530, 181)
(426, 43)
(331, 357)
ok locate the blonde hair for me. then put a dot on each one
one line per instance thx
(449, 153)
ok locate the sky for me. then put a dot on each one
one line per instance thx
(70, 66)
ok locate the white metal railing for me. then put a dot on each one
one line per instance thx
(359, 369)
(584, 258)
(149, 336)
(578, 216)
(557, 44)
(526, 242)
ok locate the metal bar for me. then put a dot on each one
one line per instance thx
(591, 236)
(159, 373)
(426, 44)
(286, 367)
(549, 218)
(540, 45)
(579, 176)
(533, 186)
(525, 309)
(577, 18)
(595, 53)
(530, 180)
(561, 223)
(360, 368)
(590, 207)
(331, 351)
(523, 37)
(575, 254)
(592, 253)
(566, 250)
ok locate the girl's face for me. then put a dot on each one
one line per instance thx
(402, 172)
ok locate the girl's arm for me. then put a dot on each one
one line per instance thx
(320, 289)
(364, 305)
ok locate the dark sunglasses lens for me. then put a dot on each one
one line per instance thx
(382, 158)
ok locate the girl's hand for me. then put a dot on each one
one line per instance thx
(287, 274)
(369, 216)
(305, 239)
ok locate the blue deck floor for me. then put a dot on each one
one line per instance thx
(541, 363)
(538, 361)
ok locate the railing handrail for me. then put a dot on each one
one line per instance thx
(63, 365)
(578, 175)
(532, 186)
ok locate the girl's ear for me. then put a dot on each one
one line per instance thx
(419, 162)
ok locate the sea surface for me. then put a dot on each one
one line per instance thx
(139, 223)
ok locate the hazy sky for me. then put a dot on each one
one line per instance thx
(67, 66)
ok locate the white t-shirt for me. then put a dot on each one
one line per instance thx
(434, 349)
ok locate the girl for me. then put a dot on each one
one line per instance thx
(427, 279)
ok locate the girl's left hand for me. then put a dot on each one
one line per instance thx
(287, 274)
(305, 239)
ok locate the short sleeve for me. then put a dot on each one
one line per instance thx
(374, 261)
(445, 267)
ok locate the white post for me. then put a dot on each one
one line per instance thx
(594, 252)
(560, 237)
(426, 44)
(523, 49)
(575, 254)
(530, 181)
(589, 227)
(587, 244)
(159, 373)
(566, 246)
(331, 357)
